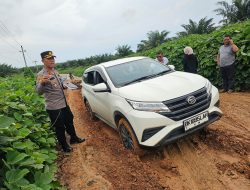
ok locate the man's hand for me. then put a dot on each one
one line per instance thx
(231, 42)
(44, 79)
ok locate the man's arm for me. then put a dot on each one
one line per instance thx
(234, 47)
(166, 61)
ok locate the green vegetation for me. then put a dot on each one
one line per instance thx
(77, 67)
(123, 50)
(6, 70)
(155, 38)
(204, 26)
(239, 10)
(206, 48)
(27, 143)
(76, 71)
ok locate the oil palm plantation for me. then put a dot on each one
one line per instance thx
(155, 38)
(202, 27)
(123, 50)
(239, 10)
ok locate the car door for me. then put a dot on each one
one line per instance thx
(102, 100)
(88, 92)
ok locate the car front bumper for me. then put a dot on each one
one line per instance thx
(169, 130)
(153, 129)
(180, 132)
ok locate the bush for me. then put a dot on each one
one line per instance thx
(206, 47)
(27, 142)
(6, 70)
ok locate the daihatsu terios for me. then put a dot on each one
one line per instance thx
(150, 104)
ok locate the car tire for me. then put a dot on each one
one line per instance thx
(128, 137)
(90, 112)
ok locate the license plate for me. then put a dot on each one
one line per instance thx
(195, 121)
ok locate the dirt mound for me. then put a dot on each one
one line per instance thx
(217, 159)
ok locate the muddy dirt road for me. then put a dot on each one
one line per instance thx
(217, 159)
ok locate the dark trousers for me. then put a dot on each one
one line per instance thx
(227, 74)
(62, 119)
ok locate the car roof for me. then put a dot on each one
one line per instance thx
(116, 62)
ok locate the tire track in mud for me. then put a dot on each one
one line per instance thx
(218, 159)
(200, 166)
(102, 155)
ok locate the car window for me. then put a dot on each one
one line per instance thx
(98, 78)
(88, 78)
(142, 69)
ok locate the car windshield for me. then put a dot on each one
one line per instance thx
(135, 71)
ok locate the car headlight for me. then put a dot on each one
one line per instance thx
(149, 106)
(208, 87)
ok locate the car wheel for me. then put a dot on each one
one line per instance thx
(128, 137)
(90, 112)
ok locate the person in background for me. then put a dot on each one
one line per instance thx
(49, 83)
(225, 60)
(190, 62)
(161, 58)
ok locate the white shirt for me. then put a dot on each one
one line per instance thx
(165, 61)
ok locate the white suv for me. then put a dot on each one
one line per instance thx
(149, 103)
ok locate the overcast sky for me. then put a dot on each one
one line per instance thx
(75, 29)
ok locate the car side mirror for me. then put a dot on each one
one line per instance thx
(101, 87)
(172, 67)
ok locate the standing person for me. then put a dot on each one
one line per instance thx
(225, 60)
(49, 83)
(190, 62)
(161, 58)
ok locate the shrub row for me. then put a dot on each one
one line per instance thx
(206, 48)
(27, 143)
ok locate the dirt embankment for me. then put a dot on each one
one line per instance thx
(217, 159)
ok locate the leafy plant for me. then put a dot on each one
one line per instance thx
(206, 48)
(155, 38)
(27, 143)
(6, 70)
(124, 50)
(204, 26)
(239, 10)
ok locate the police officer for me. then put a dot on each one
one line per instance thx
(50, 84)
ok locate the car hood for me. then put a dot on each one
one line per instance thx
(164, 87)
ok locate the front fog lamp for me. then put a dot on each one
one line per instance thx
(149, 106)
(208, 87)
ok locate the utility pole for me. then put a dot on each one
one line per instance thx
(36, 66)
(23, 56)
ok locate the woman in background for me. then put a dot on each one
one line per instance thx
(190, 62)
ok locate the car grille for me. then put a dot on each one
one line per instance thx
(181, 109)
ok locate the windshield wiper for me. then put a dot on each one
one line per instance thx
(138, 79)
(163, 72)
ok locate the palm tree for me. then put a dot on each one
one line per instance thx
(141, 47)
(202, 27)
(155, 38)
(243, 9)
(123, 50)
(239, 10)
